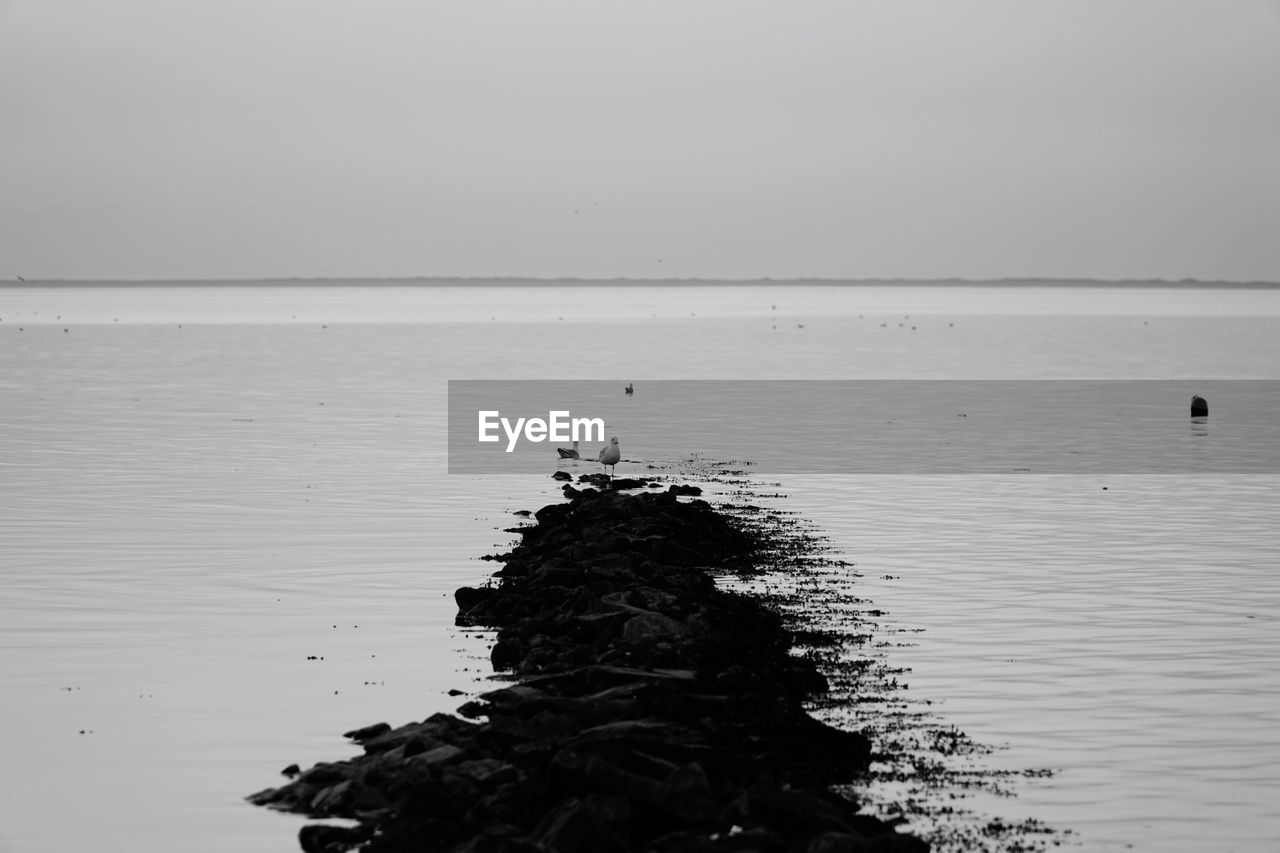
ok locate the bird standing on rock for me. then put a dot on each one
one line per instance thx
(610, 455)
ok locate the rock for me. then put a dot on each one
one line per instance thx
(438, 756)
(836, 842)
(648, 709)
(650, 627)
(674, 553)
(489, 771)
(325, 838)
(682, 842)
(331, 799)
(574, 827)
(505, 655)
(1199, 407)
(627, 483)
(467, 597)
(327, 773)
(499, 838)
(792, 812)
(889, 842)
(265, 797)
(562, 475)
(368, 732)
(291, 771)
(435, 730)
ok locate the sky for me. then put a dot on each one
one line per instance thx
(173, 139)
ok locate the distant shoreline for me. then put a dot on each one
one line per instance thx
(650, 282)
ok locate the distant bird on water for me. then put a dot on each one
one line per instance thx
(1199, 407)
(629, 390)
(566, 453)
(610, 455)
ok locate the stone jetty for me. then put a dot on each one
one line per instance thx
(649, 710)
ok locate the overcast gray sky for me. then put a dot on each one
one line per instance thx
(711, 138)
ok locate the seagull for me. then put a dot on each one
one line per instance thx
(610, 455)
(566, 453)
(629, 390)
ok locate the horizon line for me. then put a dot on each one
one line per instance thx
(438, 281)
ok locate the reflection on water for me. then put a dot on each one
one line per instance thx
(1125, 637)
(223, 545)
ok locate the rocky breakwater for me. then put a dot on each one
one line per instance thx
(650, 711)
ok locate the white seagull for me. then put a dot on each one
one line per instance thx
(610, 455)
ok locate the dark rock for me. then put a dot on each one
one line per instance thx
(884, 842)
(627, 483)
(325, 838)
(792, 812)
(499, 838)
(562, 475)
(505, 655)
(432, 732)
(836, 842)
(1199, 407)
(333, 799)
(265, 797)
(684, 490)
(291, 771)
(604, 481)
(489, 771)
(368, 732)
(648, 627)
(682, 841)
(574, 827)
(326, 773)
(653, 710)
(439, 756)
(468, 597)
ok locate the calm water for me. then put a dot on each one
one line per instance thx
(202, 487)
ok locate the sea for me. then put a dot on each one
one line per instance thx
(228, 534)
